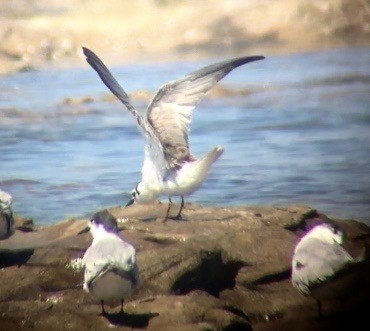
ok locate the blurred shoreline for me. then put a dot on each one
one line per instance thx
(38, 34)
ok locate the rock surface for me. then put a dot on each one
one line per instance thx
(218, 269)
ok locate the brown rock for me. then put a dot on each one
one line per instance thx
(220, 269)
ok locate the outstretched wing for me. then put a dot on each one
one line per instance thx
(171, 109)
(154, 148)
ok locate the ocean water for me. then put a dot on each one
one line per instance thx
(300, 136)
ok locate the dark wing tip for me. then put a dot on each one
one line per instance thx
(221, 69)
(108, 78)
(93, 59)
(259, 57)
(247, 59)
(87, 51)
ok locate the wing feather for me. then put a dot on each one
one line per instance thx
(154, 149)
(166, 126)
(170, 111)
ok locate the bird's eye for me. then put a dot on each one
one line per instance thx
(336, 229)
(299, 265)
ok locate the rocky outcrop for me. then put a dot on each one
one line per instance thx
(219, 269)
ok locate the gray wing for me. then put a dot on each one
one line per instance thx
(110, 81)
(154, 145)
(316, 262)
(170, 111)
(110, 254)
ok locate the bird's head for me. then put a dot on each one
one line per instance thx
(328, 232)
(103, 220)
(141, 195)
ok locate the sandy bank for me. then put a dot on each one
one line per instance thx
(40, 33)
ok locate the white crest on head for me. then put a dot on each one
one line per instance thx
(327, 233)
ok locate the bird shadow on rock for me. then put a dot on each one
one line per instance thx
(140, 321)
(204, 278)
(10, 258)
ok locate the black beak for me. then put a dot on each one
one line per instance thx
(130, 202)
(87, 229)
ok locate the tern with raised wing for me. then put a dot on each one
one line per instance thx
(169, 167)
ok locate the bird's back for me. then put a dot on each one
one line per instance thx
(110, 254)
(316, 262)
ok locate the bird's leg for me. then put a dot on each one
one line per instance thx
(168, 209)
(178, 216)
(343, 306)
(103, 312)
(121, 306)
(319, 309)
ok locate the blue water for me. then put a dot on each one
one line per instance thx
(302, 136)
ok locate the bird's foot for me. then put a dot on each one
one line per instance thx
(177, 218)
(103, 313)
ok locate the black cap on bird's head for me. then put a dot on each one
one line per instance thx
(105, 219)
(135, 192)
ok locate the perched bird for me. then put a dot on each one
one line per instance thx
(111, 272)
(169, 167)
(322, 268)
(6, 215)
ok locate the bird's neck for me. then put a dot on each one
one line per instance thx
(148, 193)
(100, 234)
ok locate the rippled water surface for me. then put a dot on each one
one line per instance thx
(302, 136)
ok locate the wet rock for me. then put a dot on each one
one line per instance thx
(220, 269)
(77, 100)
